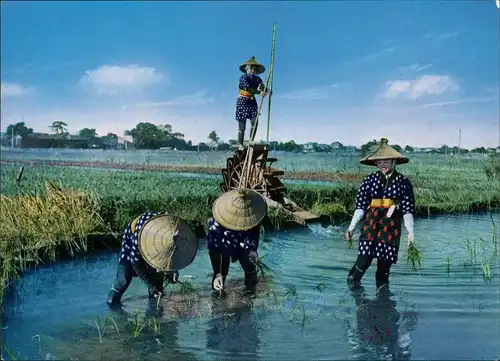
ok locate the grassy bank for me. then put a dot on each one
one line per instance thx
(37, 221)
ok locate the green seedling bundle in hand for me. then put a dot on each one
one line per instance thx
(414, 256)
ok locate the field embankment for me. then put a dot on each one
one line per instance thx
(37, 221)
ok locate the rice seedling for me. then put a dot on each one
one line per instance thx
(299, 313)
(263, 268)
(11, 354)
(101, 326)
(136, 323)
(448, 265)
(154, 325)
(485, 266)
(471, 247)
(494, 236)
(414, 257)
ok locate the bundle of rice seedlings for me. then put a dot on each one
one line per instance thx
(263, 268)
(414, 256)
(350, 242)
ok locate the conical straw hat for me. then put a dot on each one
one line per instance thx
(260, 68)
(239, 209)
(383, 151)
(167, 243)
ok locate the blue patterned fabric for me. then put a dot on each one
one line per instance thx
(396, 187)
(246, 107)
(130, 249)
(232, 243)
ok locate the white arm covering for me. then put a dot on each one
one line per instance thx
(408, 219)
(358, 214)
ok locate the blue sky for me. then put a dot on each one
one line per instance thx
(413, 71)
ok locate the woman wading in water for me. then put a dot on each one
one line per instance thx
(155, 245)
(385, 199)
(246, 105)
(233, 235)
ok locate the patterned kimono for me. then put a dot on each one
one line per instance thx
(246, 104)
(130, 248)
(380, 236)
(234, 244)
(225, 245)
(131, 264)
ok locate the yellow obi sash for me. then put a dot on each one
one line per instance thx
(245, 93)
(382, 203)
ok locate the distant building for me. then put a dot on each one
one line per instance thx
(125, 142)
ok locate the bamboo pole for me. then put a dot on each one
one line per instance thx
(271, 84)
(269, 77)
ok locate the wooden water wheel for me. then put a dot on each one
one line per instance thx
(252, 168)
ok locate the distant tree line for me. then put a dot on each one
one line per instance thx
(147, 135)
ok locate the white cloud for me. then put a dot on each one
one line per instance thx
(322, 92)
(414, 68)
(373, 56)
(111, 80)
(396, 87)
(456, 102)
(198, 98)
(440, 36)
(12, 90)
(424, 85)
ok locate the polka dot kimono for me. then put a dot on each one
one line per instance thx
(246, 107)
(130, 249)
(232, 243)
(380, 235)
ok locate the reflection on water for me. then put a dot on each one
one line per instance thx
(380, 331)
(232, 333)
(306, 312)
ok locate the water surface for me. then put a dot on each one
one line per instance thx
(446, 311)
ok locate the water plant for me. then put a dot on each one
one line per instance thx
(494, 236)
(136, 323)
(471, 248)
(414, 257)
(101, 326)
(263, 268)
(448, 265)
(485, 266)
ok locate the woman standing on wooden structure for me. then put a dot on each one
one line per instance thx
(246, 105)
(233, 235)
(385, 199)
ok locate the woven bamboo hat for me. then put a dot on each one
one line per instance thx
(167, 243)
(260, 68)
(383, 151)
(239, 209)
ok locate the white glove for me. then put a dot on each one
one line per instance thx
(408, 220)
(358, 214)
(390, 211)
(218, 282)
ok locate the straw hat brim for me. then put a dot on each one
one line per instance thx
(260, 68)
(239, 209)
(371, 160)
(381, 152)
(167, 243)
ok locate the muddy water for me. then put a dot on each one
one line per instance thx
(447, 310)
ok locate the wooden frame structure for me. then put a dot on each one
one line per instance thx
(252, 168)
